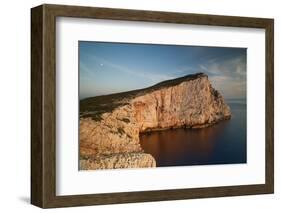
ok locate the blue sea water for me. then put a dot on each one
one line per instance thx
(222, 143)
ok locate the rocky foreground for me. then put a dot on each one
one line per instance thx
(110, 125)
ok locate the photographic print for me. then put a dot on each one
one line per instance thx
(156, 105)
(137, 106)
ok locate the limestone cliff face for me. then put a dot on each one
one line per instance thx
(189, 102)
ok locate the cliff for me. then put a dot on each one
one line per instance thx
(111, 124)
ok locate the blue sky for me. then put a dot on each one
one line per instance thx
(106, 68)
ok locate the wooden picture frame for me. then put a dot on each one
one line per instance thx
(43, 105)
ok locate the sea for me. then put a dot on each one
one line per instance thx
(222, 143)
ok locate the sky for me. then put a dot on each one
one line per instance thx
(106, 67)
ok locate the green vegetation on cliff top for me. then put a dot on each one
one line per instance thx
(94, 107)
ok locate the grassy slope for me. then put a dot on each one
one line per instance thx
(93, 107)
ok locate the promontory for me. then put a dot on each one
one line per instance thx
(110, 125)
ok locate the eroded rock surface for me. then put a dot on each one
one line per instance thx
(118, 161)
(111, 124)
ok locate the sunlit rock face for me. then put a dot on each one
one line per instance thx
(112, 124)
(118, 161)
(190, 104)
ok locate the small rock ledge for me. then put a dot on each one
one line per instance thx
(118, 161)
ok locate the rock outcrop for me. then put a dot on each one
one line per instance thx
(110, 125)
(118, 161)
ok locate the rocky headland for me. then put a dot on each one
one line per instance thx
(110, 125)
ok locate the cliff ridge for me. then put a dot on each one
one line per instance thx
(110, 125)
